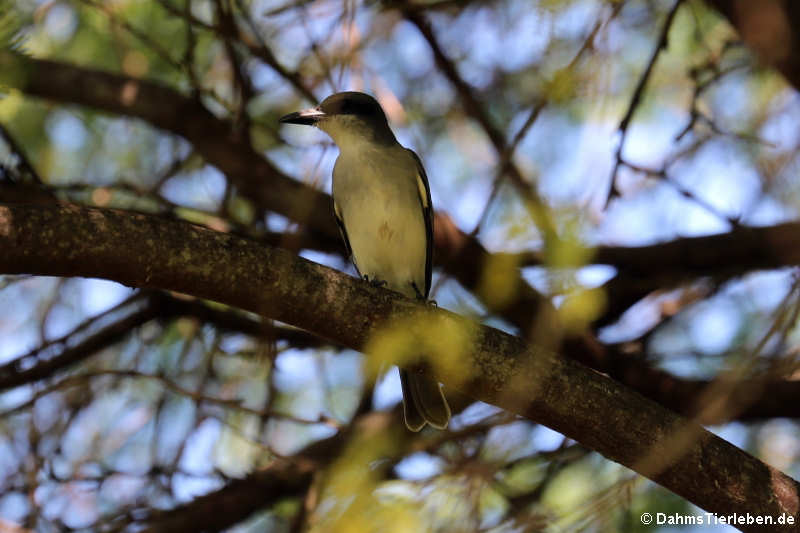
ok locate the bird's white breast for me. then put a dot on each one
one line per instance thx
(377, 196)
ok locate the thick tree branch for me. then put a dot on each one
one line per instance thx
(722, 255)
(147, 251)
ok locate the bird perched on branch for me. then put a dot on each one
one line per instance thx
(382, 204)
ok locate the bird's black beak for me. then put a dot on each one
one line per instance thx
(308, 117)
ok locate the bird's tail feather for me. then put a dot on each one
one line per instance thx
(423, 402)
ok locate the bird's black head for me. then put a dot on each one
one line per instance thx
(347, 115)
(352, 103)
(346, 104)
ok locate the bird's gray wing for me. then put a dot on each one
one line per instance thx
(423, 399)
(427, 211)
(337, 214)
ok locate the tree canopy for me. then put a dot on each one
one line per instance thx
(184, 345)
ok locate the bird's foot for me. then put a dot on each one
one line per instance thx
(420, 296)
(375, 282)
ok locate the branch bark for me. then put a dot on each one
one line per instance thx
(503, 370)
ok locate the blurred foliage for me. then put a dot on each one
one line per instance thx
(444, 342)
(10, 25)
(179, 405)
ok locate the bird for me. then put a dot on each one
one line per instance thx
(382, 205)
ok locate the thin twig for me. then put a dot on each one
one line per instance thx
(638, 93)
(534, 203)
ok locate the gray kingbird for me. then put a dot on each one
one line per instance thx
(382, 203)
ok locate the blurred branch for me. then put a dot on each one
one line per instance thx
(285, 479)
(444, 5)
(218, 510)
(243, 86)
(534, 203)
(25, 193)
(88, 338)
(214, 138)
(636, 97)
(147, 251)
(557, 460)
(757, 397)
(644, 269)
(771, 28)
(231, 320)
(505, 161)
(82, 380)
(703, 77)
(259, 49)
(23, 162)
(40, 363)
(508, 152)
(138, 34)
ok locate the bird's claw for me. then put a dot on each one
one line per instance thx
(375, 282)
(420, 296)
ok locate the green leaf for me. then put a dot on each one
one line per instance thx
(10, 26)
